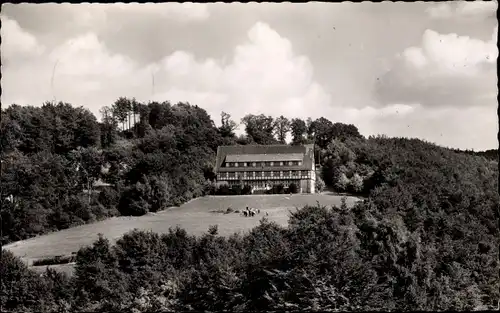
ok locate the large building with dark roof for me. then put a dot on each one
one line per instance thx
(262, 166)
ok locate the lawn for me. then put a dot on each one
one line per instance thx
(194, 216)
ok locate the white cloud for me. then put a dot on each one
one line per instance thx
(465, 128)
(264, 75)
(445, 70)
(468, 8)
(16, 43)
(462, 9)
(450, 53)
(442, 10)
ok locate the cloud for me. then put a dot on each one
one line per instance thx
(463, 9)
(186, 11)
(262, 74)
(17, 43)
(445, 70)
(465, 128)
(442, 10)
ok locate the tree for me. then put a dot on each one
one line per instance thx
(343, 131)
(20, 287)
(259, 128)
(299, 130)
(322, 132)
(108, 127)
(228, 126)
(281, 128)
(121, 109)
(310, 129)
(88, 163)
(136, 108)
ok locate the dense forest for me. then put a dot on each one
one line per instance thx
(426, 238)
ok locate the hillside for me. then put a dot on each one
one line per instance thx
(425, 238)
(194, 216)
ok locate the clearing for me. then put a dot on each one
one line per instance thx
(195, 216)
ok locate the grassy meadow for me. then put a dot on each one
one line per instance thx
(195, 216)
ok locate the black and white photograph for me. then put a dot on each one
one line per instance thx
(249, 157)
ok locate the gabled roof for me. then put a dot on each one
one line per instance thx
(271, 152)
(264, 157)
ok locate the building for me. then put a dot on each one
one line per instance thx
(262, 166)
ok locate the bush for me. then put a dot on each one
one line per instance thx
(55, 260)
(342, 183)
(356, 184)
(320, 184)
(247, 190)
(293, 188)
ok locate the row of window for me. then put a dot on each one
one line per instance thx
(262, 174)
(263, 184)
(266, 164)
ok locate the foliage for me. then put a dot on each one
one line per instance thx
(228, 126)
(259, 128)
(426, 237)
(320, 184)
(282, 127)
(299, 130)
(54, 260)
(53, 158)
(293, 188)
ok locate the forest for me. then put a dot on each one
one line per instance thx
(426, 238)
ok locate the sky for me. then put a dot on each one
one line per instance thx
(422, 69)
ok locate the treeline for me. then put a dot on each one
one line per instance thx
(491, 154)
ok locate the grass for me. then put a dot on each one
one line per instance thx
(195, 216)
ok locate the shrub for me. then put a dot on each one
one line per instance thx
(55, 260)
(342, 183)
(247, 190)
(356, 183)
(293, 188)
(320, 184)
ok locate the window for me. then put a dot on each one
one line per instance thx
(271, 174)
(244, 164)
(299, 163)
(281, 163)
(253, 174)
(290, 163)
(281, 173)
(254, 164)
(290, 174)
(235, 164)
(257, 164)
(304, 173)
(271, 163)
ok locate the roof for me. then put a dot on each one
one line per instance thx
(249, 153)
(264, 157)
